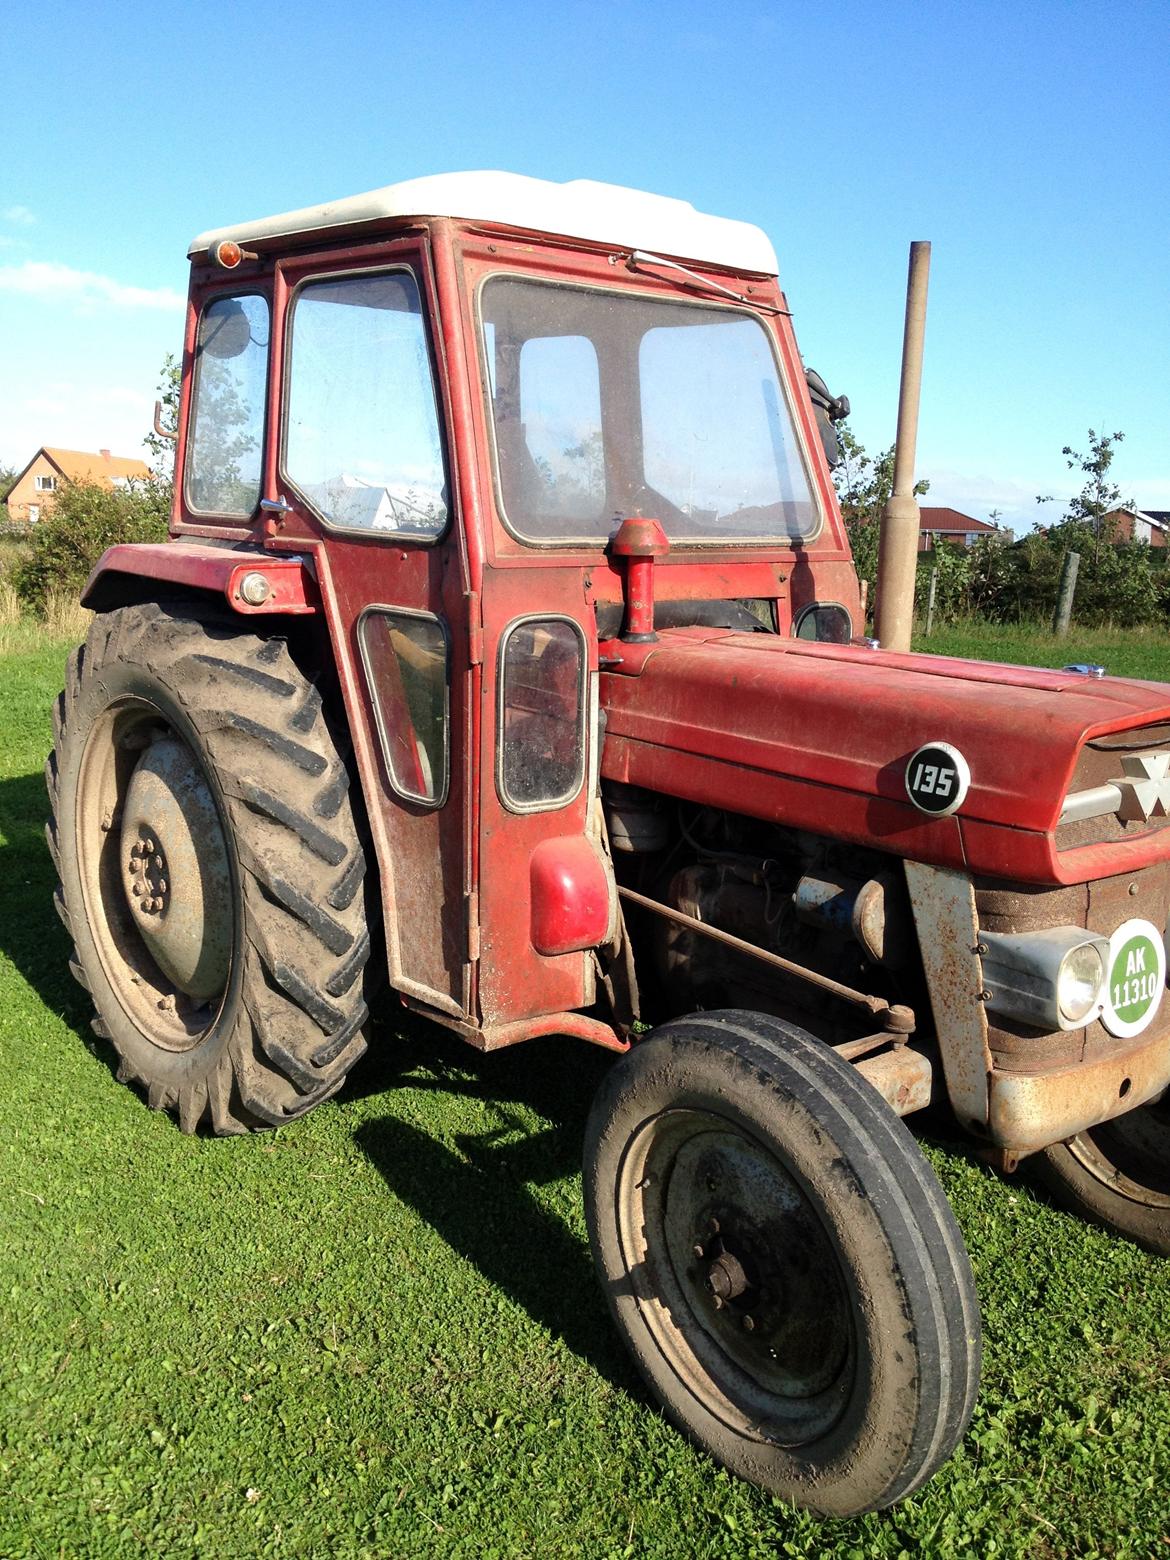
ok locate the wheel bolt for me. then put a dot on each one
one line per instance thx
(136, 887)
(698, 1250)
(162, 885)
(158, 862)
(749, 1324)
(717, 1302)
(148, 848)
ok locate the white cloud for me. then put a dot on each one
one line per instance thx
(52, 281)
(19, 216)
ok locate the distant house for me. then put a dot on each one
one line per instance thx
(949, 525)
(1140, 525)
(34, 488)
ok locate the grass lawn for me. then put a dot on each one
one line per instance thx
(377, 1332)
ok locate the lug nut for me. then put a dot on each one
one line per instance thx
(697, 1250)
(717, 1302)
(136, 887)
(158, 861)
(749, 1324)
(162, 885)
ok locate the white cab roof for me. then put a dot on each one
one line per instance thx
(581, 208)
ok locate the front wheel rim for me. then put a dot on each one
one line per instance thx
(736, 1277)
(1130, 1155)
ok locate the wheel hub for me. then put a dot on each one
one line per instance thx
(175, 871)
(147, 888)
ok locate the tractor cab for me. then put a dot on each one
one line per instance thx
(443, 399)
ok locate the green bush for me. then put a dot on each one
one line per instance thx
(83, 521)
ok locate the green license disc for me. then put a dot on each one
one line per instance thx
(1137, 977)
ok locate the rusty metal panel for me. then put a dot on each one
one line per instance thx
(948, 937)
(903, 1076)
(1029, 1111)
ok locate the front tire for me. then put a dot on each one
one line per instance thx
(781, 1261)
(1117, 1175)
(211, 874)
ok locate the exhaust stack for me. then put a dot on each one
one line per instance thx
(898, 544)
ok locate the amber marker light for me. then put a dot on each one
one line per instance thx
(227, 254)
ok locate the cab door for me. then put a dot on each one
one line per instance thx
(360, 457)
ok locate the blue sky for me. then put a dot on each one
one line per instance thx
(1029, 142)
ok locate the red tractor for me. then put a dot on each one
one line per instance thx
(505, 646)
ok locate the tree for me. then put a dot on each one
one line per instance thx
(84, 519)
(863, 487)
(1099, 496)
(8, 475)
(162, 450)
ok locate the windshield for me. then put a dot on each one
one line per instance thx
(606, 405)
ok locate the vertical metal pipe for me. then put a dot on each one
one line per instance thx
(898, 546)
(930, 601)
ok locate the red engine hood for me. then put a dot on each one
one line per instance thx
(818, 736)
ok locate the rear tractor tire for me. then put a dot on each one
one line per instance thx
(211, 873)
(781, 1261)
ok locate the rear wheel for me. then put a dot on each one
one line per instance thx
(1117, 1175)
(781, 1261)
(210, 867)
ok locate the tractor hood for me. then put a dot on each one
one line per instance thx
(819, 736)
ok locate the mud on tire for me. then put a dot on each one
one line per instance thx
(226, 962)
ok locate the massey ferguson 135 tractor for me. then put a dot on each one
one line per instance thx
(505, 645)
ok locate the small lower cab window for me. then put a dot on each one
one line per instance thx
(826, 621)
(362, 440)
(405, 657)
(542, 714)
(227, 424)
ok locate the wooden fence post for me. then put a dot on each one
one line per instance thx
(930, 601)
(1064, 600)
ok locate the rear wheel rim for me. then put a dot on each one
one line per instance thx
(157, 875)
(737, 1277)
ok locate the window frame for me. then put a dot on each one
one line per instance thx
(814, 606)
(386, 609)
(347, 273)
(594, 543)
(522, 809)
(45, 484)
(207, 302)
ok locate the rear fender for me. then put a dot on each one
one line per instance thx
(135, 571)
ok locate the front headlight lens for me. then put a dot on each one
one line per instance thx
(1079, 982)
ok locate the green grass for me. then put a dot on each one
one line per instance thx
(1142, 652)
(377, 1332)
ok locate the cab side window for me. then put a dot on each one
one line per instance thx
(227, 418)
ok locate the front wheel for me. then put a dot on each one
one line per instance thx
(1117, 1175)
(781, 1261)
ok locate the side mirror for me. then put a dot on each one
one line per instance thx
(829, 410)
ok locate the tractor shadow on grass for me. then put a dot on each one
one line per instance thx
(31, 934)
(478, 1195)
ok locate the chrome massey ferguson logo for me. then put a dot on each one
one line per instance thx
(1145, 789)
(1141, 792)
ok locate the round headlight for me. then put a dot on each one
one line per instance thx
(1079, 981)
